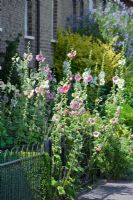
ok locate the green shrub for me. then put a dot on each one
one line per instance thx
(7, 67)
(127, 115)
(90, 53)
(114, 159)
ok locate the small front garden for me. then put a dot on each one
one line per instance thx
(84, 104)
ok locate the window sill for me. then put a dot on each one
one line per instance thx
(53, 41)
(29, 37)
(1, 29)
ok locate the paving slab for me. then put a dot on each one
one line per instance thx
(121, 190)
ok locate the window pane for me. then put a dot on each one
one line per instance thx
(55, 7)
(29, 17)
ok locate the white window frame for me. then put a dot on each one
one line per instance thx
(1, 17)
(26, 36)
(91, 4)
(52, 35)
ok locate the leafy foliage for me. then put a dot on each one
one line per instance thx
(7, 69)
(90, 53)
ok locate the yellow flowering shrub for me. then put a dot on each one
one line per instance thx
(90, 53)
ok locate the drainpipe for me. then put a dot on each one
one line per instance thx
(38, 30)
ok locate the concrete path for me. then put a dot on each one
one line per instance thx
(111, 191)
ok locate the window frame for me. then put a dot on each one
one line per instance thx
(1, 16)
(26, 36)
(74, 5)
(81, 8)
(53, 38)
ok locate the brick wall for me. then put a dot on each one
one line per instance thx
(12, 17)
(13, 23)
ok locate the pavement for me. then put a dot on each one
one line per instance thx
(121, 190)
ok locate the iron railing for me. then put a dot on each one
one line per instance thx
(21, 172)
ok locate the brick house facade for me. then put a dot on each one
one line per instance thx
(37, 21)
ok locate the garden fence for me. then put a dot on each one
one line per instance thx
(21, 170)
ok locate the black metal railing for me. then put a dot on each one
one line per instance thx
(21, 172)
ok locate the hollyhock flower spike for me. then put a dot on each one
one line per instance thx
(40, 57)
(72, 54)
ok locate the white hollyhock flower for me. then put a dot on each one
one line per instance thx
(96, 134)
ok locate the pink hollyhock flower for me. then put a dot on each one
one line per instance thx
(40, 57)
(77, 77)
(47, 69)
(72, 54)
(50, 95)
(88, 78)
(74, 105)
(64, 89)
(49, 76)
(114, 120)
(60, 89)
(39, 90)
